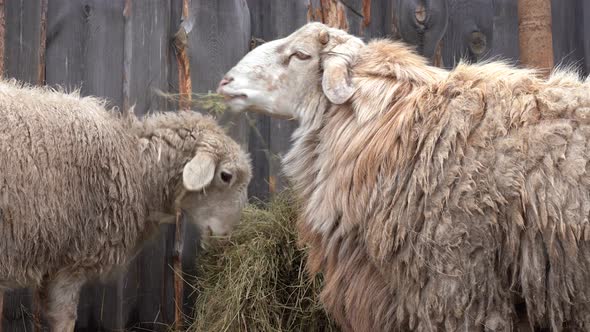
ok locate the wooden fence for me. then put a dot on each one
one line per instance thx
(129, 50)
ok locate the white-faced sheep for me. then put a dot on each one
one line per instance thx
(432, 199)
(80, 188)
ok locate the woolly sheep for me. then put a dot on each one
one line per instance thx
(432, 200)
(82, 187)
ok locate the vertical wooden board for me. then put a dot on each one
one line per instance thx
(175, 19)
(150, 36)
(168, 300)
(151, 264)
(469, 34)
(103, 59)
(21, 52)
(586, 34)
(18, 313)
(370, 18)
(421, 23)
(567, 21)
(2, 36)
(67, 33)
(505, 31)
(85, 47)
(190, 251)
(270, 138)
(219, 38)
(148, 73)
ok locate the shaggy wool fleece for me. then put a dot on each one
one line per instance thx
(78, 182)
(433, 200)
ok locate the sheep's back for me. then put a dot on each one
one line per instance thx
(69, 190)
(445, 208)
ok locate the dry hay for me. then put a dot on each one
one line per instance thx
(256, 280)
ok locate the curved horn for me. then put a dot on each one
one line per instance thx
(336, 81)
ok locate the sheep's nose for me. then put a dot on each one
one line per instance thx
(225, 81)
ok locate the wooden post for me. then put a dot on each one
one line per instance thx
(180, 43)
(181, 47)
(366, 13)
(534, 31)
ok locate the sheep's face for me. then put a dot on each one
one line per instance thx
(282, 77)
(215, 185)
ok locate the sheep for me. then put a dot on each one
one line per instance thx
(432, 199)
(82, 187)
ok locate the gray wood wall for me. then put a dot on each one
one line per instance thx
(122, 50)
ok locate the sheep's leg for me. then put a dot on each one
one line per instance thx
(60, 300)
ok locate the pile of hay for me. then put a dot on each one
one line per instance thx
(256, 280)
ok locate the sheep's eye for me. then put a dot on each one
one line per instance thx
(225, 176)
(301, 56)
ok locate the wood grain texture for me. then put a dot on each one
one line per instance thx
(2, 41)
(219, 39)
(148, 53)
(570, 27)
(422, 24)
(535, 35)
(149, 32)
(85, 47)
(23, 21)
(505, 23)
(469, 34)
(17, 315)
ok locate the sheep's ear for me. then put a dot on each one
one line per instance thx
(199, 172)
(336, 81)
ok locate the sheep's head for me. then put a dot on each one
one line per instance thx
(203, 170)
(214, 185)
(279, 77)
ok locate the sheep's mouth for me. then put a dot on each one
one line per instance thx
(229, 96)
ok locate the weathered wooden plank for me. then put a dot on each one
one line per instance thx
(219, 39)
(103, 64)
(535, 35)
(568, 21)
(422, 24)
(148, 72)
(66, 43)
(505, 27)
(84, 39)
(469, 34)
(17, 315)
(370, 18)
(22, 39)
(149, 31)
(2, 38)
(586, 34)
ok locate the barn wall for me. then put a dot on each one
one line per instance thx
(123, 50)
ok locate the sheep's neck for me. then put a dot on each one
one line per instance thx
(162, 167)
